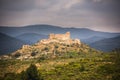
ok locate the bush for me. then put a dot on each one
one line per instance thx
(17, 55)
(46, 49)
(31, 74)
(56, 46)
(82, 68)
(33, 54)
(42, 58)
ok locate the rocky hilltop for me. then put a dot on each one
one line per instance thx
(55, 45)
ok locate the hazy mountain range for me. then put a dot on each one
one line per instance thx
(31, 38)
(107, 44)
(9, 44)
(31, 34)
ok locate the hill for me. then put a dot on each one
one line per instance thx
(31, 38)
(107, 44)
(32, 33)
(71, 66)
(60, 57)
(92, 39)
(55, 45)
(9, 44)
(81, 33)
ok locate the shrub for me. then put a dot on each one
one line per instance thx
(46, 49)
(17, 55)
(31, 74)
(33, 54)
(56, 46)
(82, 68)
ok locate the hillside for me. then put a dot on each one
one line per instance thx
(70, 66)
(107, 44)
(60, 58)
(9, 44)
(31, 38)
(81, 33)
(92, 39)
(55, 45)
(32, 33)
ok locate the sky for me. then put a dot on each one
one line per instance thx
(100, 15)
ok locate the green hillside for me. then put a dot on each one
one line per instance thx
(58, 60)
(71, 66)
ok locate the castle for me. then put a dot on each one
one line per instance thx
(65, 36)
(63, 40)
(60, 38)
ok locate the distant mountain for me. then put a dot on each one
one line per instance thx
(81, 33)
(31, 33)
(107, 44)
(31, 38)
(9, 44)
(92, 39)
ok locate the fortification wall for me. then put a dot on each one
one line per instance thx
(65, 36)
(60, 38)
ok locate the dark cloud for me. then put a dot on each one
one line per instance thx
(16, 5)
(94, 14)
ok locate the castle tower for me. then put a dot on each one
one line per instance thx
(60, 38)
(51, 36)
(68, 35)
(65, 36)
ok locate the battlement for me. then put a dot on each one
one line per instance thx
(60, 38)
(65, 36)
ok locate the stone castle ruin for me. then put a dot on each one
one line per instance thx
(53, 39)
(60, 38)
(65, 36)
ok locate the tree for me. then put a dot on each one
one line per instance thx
(24, 76)
(31, 74)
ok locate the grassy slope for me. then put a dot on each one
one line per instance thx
(73, 66)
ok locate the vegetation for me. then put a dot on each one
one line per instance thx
(31, 73)
(72, 65)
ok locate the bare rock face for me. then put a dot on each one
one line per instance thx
(60, 38)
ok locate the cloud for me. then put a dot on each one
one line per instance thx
(95, 14)
(16, 5)
(71, 3)
(56, 5)
(97, 0)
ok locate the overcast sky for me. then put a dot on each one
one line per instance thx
(101, 15)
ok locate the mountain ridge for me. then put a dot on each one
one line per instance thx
(9, 44)
(31, 38)
(107, 44)
(81, 33)
(47, 29)
(55, 26)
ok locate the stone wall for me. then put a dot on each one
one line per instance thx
(65, 36)
(60, 38)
